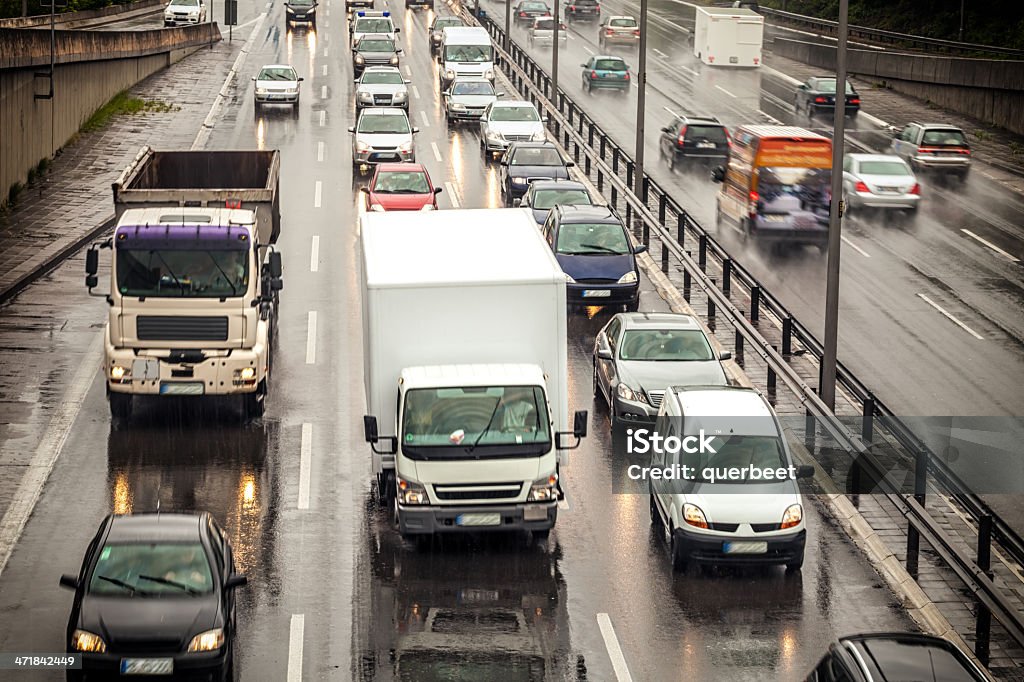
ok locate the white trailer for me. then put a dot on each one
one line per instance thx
(464, 335)
(724, 36)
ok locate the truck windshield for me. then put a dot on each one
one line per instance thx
(168, 273)
(469, 53)
(458, 420)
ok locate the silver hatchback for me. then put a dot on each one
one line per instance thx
(382, 135)
(879, 181)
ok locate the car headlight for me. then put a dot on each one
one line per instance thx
(693, 515)
(627, 393)
(359, 59)
(458, 106)
(544, 489)
(377, 207)
(569, 279)
(539, 136)
(289, 10)
(394, 60)
(362, 147)
(519, 181)
(494, 135)
(82, 640)
(428, 207)
(168, 15)
(368, 96)
(211, 640)
(489, 74)
(292, 91)
(449, 74)
(405, 146)
(410, 492)
(193, 13)
(261, 91)
(793, 515)
(399, 96)
(628, 278)
(118, 373)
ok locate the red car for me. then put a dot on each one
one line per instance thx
(401, 187)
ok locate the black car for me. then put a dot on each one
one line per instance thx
(300, 11)
(543, 195)
(526, 11)
(689, 139)
(583, 10)
(818, 95)
(374, 50)
(895, 656)
(436, 31)
(525, 162)
(155, 596)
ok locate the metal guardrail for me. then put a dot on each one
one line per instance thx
(883, 37)
(605, 162)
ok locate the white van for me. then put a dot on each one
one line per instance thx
(466, 51)
(732, 499)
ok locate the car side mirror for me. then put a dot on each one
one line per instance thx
(544, 119)
(274, 264)
(570, 164)
(301, 79)
(517, 202)
(805, 471)
(398, 29)
(351, 129)
(604, 354)
(415, 130)
(408, 80)
(640, 248)
(356, 80)
(253, 78)
(725, 355)
(69, 580)
(802, 86)
(400, 51)
(584, 66)
(500, 94)
(235, 580)
(438, 190)
(718, 174)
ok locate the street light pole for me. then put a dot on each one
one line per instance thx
(827, 390)
(641, 103)
(961, 33)
(554, 62)
(508, 24)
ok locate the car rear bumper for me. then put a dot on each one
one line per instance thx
(709, 157)
(618, 294)
(624, 39)
(816, 108)
(943, 163)
(609, 83)
(869, 200)
(440, 519)
(707, 548)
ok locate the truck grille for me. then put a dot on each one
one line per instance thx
(183, 328)
(484, 491)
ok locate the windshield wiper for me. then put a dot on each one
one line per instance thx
(602, 249)
(170, 272)
(234, 290)
(119, 583)
(172, 583)
(471, 448)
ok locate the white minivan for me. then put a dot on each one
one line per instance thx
(466, 52)
(734, 499)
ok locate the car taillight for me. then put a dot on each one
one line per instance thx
(609, 31)
(854, 100)
(572, 7)
(965, 151)
(593, 74)
(752, 208)
(522, 14)
(861, 187)
(916, 189)
(626, 75)
(636, 32)
(820, 100)
(728, 137)
(682, 136)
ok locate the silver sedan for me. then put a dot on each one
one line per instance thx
(879, 181)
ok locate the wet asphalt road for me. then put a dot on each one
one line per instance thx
(335, 579)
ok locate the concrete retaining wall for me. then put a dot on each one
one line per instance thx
(990, 90)
(91, 67)
(70, 19)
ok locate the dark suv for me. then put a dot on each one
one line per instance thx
(894, 656)
(695, 139)
(583, 10)
(933, 147)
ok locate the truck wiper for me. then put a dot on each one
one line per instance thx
(170, 272)
(234, 291)
(471, 448)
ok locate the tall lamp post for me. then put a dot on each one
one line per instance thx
(641, 103)
(554, 62)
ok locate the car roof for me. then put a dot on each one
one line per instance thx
(471, 79)
(379, 68)
(702, 120)
(621, 16)
(939, 126)
(659, 321)
(721, 401)
(575, 213)
(277, 66)
(875, 157)
(156, 527)
(508, 103)
(383, 111)
(375, 36)
(558, 183)
(405, 167)
(902, 650)
(609, 56)
(532, 145)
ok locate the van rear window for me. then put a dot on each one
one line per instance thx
(705, 134)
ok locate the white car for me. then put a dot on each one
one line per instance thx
(382, 86)
(735, 497)
(382, 135)
(879, 181)
(503, 123)
(365, 23)
(277, 84)
(184, 12)
(467, 98)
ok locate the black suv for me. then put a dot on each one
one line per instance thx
(692, 139)
(583, 10)
(892, 656)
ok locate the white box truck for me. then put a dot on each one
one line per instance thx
(464, 336)
(724, 36)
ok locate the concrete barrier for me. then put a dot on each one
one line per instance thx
(71, 19)
(90, 68)
(987, 89)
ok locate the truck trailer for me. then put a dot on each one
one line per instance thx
(726, 36)
(464, 336)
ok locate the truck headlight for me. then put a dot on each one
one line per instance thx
(410, 492)
(211, 640)
(693, 515)
(627, 393)
(118, 373)
(544, 489)
(793, 515)
(489, 74)
(82, 640)
(628, 278)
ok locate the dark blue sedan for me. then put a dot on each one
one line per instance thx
(525, 162)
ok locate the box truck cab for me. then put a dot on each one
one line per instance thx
(776, 186)
(727, 36)
(466, 52)
(464, 334)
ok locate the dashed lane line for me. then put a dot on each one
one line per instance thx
(314, 254)
(855, 247)
(990, 245)
(611, 643)
(318, 191)
(437, 152)
(951, 317)
(311, 338)
(296, 633)
(305, 462)
(452, 196)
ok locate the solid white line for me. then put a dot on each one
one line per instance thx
(49, 449)
(611, 642)
(588, 50)
(779, 74)
(452, 197)
(726, 91)
(320, 150)
(317, 194)
(437, 152)
(770, 117)
(660, 53)
(295, 635)
(415, 92)
(324, 71)
(305, 460)
(314, 254)
(426, 121)
(989, 244)
(670, 111)
(953, 319)
(323, 92)
(311, 338)
(323, 117)
(856, 248)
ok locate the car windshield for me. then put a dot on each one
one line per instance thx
(533, 7)
(402, 182)
(610, 65)
(185, 3)
(472, 89)
(495, 415)
(671, 345)
(382, 78)
(373, 25)
(828, 85)
(536, 156)
(376, 45)
(514, 114)
(300, 3)
(277, 73)
(158, 569)
(883, 168)
(742, 452)
(629, 23)
(382, 123)
(468, 53)
(950, 137)
(172, 273)
(592, 239)
(547, 198)
(698, 133)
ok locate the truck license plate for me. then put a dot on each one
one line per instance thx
(478, 519)
(734, 60)
(147, 666)
(182, 388)
(596, 293)
(745, 547)
(535, 512)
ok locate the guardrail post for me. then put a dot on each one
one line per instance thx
(702, 252)
(913, 549)
(755, 303)
(604, 145)
(983, 620)
(647, 235)
(681, 229)
(615, 197)
(787, 335)
(664, 256)
(565, 137)
(771, 379)
(615, 160)
(600, 180)
(568, 115)
(711, 305)
(629, 216)
(575, 153)
(686, 283)
(868, 422)
(590, 135)
(739, 348)
(586, 165)
(810, 430)
(629, 173)
(726, 275)
(645, 190)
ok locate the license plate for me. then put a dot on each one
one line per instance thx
(147, 666)
(734, 60)
(706, 145)
(276, 97)
(744, 547)
(889, 189)
(471, 595)
(478, 520)
(596, 293)
(182, 388)
(535, 512)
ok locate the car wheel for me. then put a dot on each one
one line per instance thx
(120, 405)
(796, 564)
(655, 516)
(744, 228)
(853, 116)
(672, 163)
(675, 551)
(597, 383)
(253, 404)
(847, 206)
(256, 107)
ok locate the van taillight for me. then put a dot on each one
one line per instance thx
(593, 74)
(682, 136)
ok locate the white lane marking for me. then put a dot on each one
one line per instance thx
(770, 117)
(327, 36)
(588, 50)
(326, 52)
(320, 150)
(855, 247)
(311, 338)
(318, 191)
(323, 92)
(48, 450)
(778, 74)
(305, 460)
(452, 197)
(327, 24)
(415, 92)
(408, 71)
(295, 636)
(324, 70)
(670, 111)
(989, 244)
(952, 319)
(437, 152)
(611, 642)
(660, 53)
(426, 121)
(323, 117)
(314, 254)
(726, 91)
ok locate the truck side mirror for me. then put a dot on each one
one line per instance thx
(274, 266)
(579, 424)
(92, 266)
(718, 174)
(370, 428)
